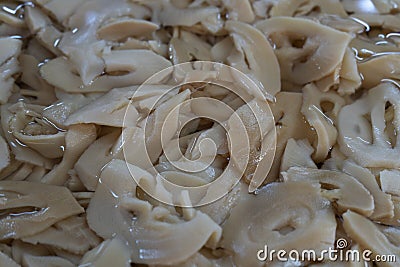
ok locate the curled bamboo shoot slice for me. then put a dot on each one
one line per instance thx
(290, 123)
(182, 49)
(94, 158)
(382, 201)
(306, 51)
(21, 152)
(33, 207)
(61, 73)
(390, 181)
(9, 51)
(72, 235)
(77, 139)
(119, 29)
(297, 154)
(368, 235)
(110, 109)
(253, 48)
(32, 130)
(307, 223)
(307, 7)
(41, 91)
(110, 252)
(381, 67)
(323, 122)
(240, 10)
(362, 125)
(345, 190)
(153, 232)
